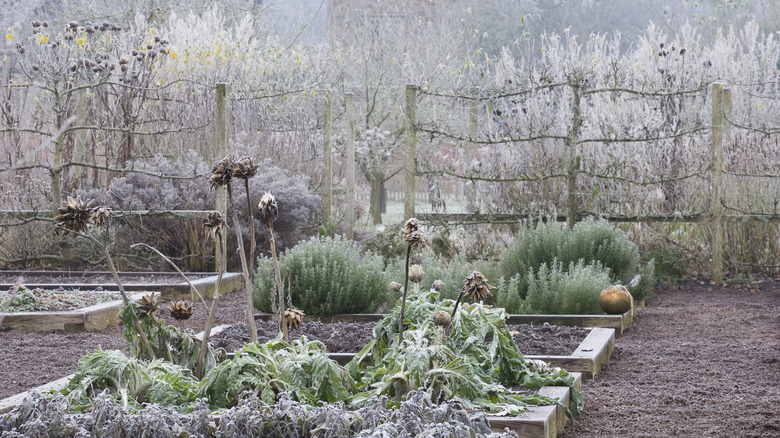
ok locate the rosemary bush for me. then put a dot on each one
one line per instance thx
(593, 246)
(555, 289)
(327, 276)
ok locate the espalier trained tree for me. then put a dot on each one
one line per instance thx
(586, 129)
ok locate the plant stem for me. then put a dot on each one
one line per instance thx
(200, 369)
(252, 243)
(170, 262)
(403, 299)
(278, 280)
(250, 310)
(455, 309)
(125, 299)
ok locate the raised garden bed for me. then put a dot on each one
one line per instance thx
(587, 358)
(535, 422)
(170, 285)
(617, 322)
(96, 317)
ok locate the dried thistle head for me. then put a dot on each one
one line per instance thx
(438, 285)
(181, 309)
(73, 216)
(476, 287)
(293, 317)
(244, 168)
(413, 236)
(268, 207)
(441, 318)
(221, 173)
(396, 286)
(149, 303)
(101, 216)
(415, 273)
(214, 224)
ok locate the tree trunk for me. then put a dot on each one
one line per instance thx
(375, 207)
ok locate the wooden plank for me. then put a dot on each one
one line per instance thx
(539, 421)
(214, 330)
(96, 317)
(26, 322)
(9, 403)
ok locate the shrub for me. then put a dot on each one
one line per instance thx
(183, 238)
(589, 241)
(595, 239)
(559, 288)
(534, 246)
(328, 276)
(555, 289)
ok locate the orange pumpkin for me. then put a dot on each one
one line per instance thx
(615, 300)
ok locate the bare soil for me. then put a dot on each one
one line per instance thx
(699, 360)
(351, 337)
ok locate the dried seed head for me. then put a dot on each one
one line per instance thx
(101, 216)
(476, 287)
(396, 286)
(214, 224)
(221, 173)
(441, 318)
(244, 168)
(181, 309)
(149, 303)
(268, 207)
(293, 317)
(412, 234)
(415, 273)
(438, 285)
(73, 216)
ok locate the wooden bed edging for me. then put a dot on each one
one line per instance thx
(593, 352)
(231, 281)
(96, 317)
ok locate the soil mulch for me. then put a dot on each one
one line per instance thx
(699, 360)
(351, 337)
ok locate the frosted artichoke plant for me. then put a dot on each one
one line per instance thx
(476, 287)
(269, 210)
(149, 304)
(73, 216)
(222, 174)
(293, 317)
(414, 238)
(244, 169)
(214, 225)
(181, 309)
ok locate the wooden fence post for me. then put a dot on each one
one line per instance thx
(716, 208)
(471, 153)
(220, 150)
(572, 206)
(327, 161)
(350, 213)
(410, 157)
